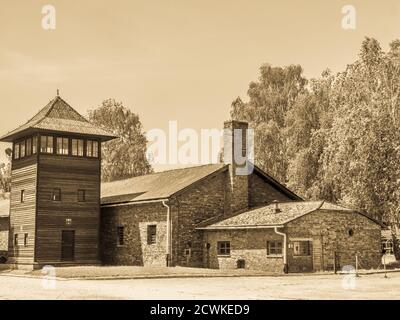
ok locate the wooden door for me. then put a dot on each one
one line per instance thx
(318, 261)
(68, 245)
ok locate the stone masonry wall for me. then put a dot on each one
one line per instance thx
(329, 232)
(249, 245)
(134, 218)
(202, 201)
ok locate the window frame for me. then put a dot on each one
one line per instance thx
(92, 148)
(22, 149)
(49, 144)
(64, 150)
(77, 147)
(22, 196)
(276, 246)
(34, 144)
(151, 234)
(83, 191)
(224, 248)
(16, 154)
(54, 195)
(300, 252)
(120, 236)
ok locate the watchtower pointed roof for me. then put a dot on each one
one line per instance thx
(58, 116)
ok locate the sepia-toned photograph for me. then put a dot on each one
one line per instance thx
(169, 151)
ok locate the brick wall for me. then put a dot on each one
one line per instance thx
(4, 226)
(249, 245)
(201, 202)
(329, 232)
(262, 193)
(134, 218)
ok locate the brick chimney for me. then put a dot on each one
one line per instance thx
(236, 153)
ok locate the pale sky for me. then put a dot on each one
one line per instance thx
(171, 60)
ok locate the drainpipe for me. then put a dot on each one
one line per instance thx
(285, 266)
(168, 241)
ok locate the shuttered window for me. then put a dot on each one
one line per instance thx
(151, 234)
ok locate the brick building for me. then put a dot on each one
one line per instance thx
(216, 216)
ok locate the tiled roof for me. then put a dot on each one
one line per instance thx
(266, 216)
(59, 116)
(4, 207)
(156, 185)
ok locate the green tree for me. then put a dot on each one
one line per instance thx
(124, 157)
(5, 173)
(270, 98)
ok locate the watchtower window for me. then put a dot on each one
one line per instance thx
(46, 144)
(34, 145)
(22, 149)
(92, 148)
(62, 146)
(77, 147)
(16, 151)
(28, 151)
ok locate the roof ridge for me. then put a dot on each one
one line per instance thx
(53, 102)
(160, 172)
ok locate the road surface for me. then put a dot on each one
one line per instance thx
(284, 287)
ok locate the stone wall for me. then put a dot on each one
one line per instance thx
(249, 245)
(262, 193)
(202, 201)
(4, 226)
(134, 218)
(329, 232)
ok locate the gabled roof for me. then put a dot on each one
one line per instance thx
(58, 116)
(154, 186)
(266, 216)
(277, 185)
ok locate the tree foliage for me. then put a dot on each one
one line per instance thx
(335, 137)
(125, 156)
(5, 173)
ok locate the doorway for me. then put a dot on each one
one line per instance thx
(68, 245)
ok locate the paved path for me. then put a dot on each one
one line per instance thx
(286, 287)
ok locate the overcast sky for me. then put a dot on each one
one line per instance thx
(171, 60)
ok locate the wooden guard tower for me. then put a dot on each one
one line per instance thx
(55, 188)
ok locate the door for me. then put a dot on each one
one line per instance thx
(68, 245)
(318, 259)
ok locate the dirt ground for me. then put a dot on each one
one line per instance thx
(373, 286)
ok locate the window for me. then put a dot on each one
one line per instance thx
(22, 196)
(81, 195)
(241, 264)
(77, 147)
(224, 248)
(92, 148)
(351, 232)
(28, 151)
(62, 146)
(16, 151)
(151, 234)
(34, 145)
(16, 239)
(301, 248)
(25, 239)
(274, 248)
(56, 194)
(120, 236)
(46, 144)
(22, 149)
